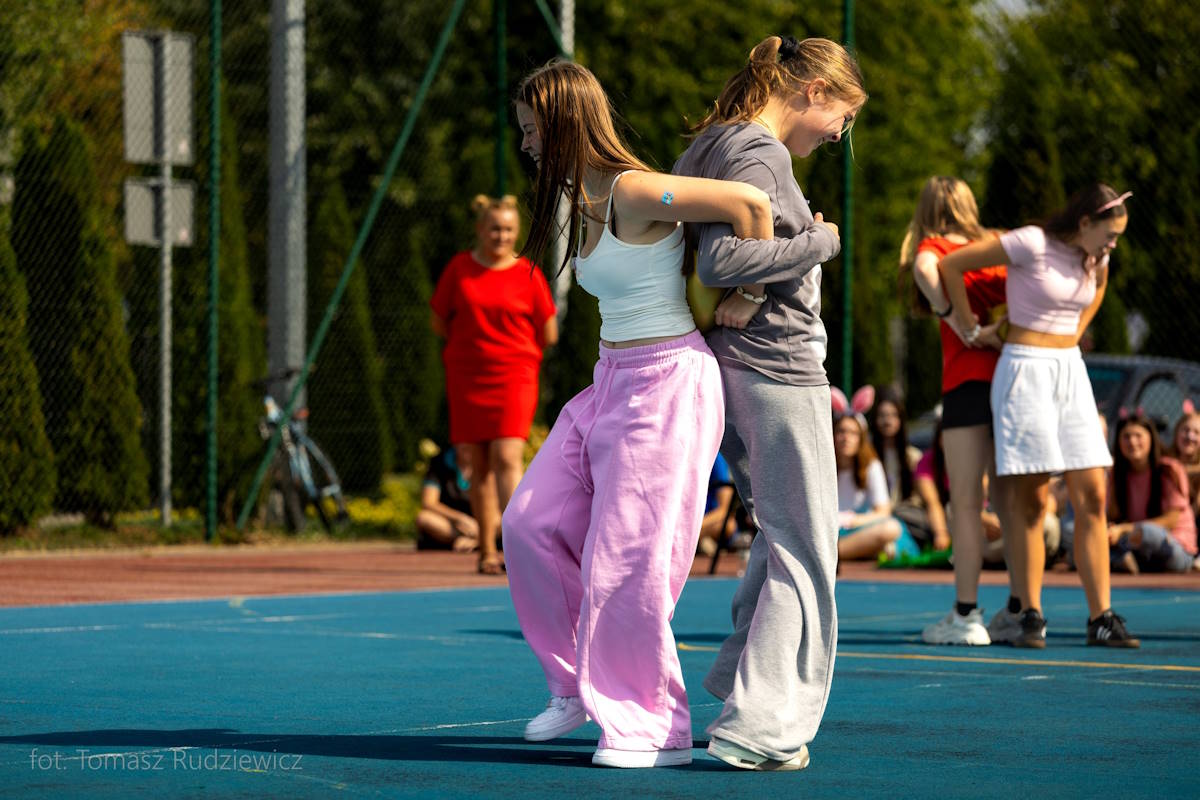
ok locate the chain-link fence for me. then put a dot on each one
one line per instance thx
(1025, 100)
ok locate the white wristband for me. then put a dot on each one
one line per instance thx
(758, 301)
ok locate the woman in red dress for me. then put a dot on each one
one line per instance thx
(495, 311)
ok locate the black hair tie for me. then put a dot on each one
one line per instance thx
(789, 48)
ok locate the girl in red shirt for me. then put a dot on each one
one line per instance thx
(946, 219)
(495, 311)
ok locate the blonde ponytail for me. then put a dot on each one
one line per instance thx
(783, 64)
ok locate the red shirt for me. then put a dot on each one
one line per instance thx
(985, 292)
(494, 317)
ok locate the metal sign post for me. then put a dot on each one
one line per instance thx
(158, 212)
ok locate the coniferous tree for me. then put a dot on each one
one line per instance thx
(93, 417)
(241, 347)
(345, 390)
(26, 462)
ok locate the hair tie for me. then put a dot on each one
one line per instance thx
(1116, 201)
(789, 48)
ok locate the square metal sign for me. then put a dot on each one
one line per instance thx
(157, 84)
(143, 212)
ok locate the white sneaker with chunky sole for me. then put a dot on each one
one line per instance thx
(608, 757)
(953, 629)
(562, 715)
(740, 757)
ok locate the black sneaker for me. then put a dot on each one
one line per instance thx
(1033, 630)
(1108, 630)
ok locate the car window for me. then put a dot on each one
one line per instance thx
(1106, 384)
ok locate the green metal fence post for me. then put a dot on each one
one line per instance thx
(214, 265)
(410, 121)
(552, 24)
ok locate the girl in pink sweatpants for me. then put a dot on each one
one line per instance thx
(601, 533)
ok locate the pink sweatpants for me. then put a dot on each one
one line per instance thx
(601, 532)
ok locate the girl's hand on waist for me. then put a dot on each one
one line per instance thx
(737, 309)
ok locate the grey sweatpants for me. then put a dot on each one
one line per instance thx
(774, 671)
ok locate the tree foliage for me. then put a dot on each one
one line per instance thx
(93, 417)
(26, 460)
(345, 393)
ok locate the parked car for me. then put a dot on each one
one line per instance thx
(1154, 385)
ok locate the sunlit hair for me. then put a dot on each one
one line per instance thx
(866, 453)
(1173, 450)
(482, 205)
(779, 65)
(1122, 468)
(575, 122)
(945, 206)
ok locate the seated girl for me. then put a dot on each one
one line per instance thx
(866, 525)
(1151, 525)
(1185, 448)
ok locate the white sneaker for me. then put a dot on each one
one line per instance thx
(737, 756)
(562, 715)
(608, 757)
(953, 629)
(1004, 627)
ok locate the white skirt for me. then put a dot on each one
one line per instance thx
(1044, 413)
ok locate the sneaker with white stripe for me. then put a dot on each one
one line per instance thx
(1108, 630)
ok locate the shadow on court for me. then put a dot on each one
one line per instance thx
(433, 747)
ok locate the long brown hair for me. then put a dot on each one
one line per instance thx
(866, 453)
(1122, 468)
(946, 206)
(779, 64)
(574, 120)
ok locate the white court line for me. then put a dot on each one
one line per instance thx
(1192, 686)
(63, 629)
(169, 625)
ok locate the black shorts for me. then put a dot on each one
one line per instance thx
(967, 404)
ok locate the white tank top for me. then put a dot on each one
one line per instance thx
(640, 287)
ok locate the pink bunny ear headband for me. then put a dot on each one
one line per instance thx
(1125, 413)
(1188, 406)
(858, 405)
(1116, 201)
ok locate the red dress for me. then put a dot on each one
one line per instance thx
(494, 322)
(985, 292)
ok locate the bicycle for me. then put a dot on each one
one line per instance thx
(292, 470)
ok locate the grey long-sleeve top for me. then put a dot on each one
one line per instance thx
(786, 339)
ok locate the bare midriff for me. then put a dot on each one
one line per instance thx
(1019, 335)
(641, 342)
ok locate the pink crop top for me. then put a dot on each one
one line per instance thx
(1048, 286)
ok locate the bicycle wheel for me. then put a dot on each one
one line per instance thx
(281, 501)
(326, 486)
